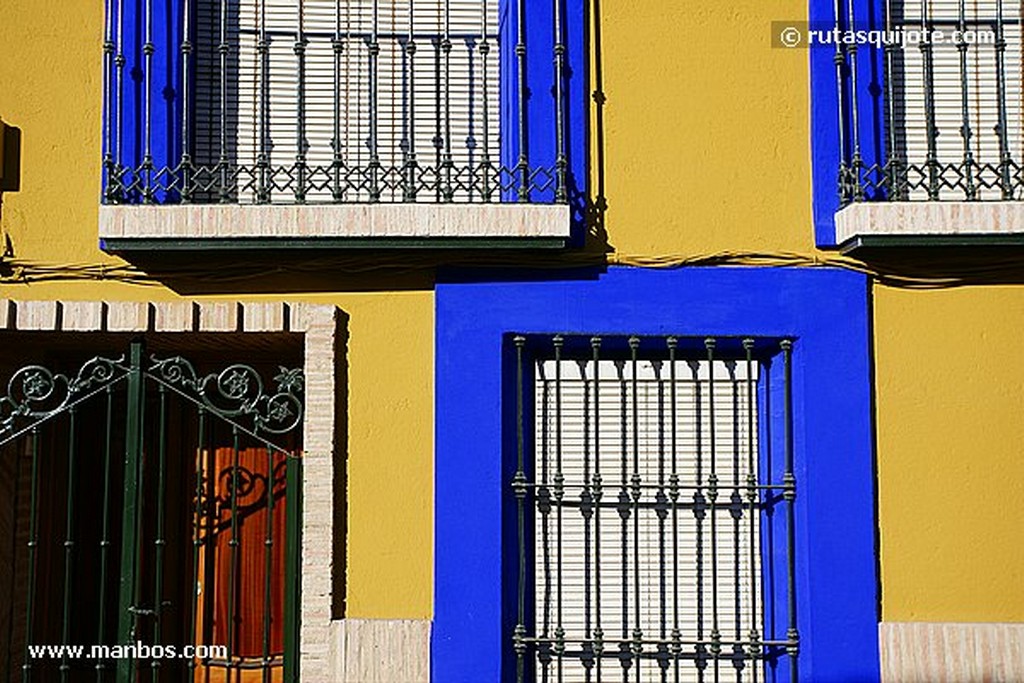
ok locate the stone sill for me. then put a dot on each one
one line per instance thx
(937, 223)
(199, 226)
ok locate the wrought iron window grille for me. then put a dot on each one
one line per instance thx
(330, 101)
(646, 513)
(937, 120)
(191, 483)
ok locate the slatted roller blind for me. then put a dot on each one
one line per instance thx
(426, 103)
(981, 90)
(736, 531)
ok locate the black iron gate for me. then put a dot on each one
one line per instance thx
(150, 522)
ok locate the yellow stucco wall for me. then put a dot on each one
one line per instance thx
(950, 379)
(706, 148)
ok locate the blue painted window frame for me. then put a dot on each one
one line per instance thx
(165, 88)
(824, 310)
(825, 110)
(540, 95)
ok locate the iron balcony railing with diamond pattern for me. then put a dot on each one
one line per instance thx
(307, 102)
(929, 115)
(949, 101)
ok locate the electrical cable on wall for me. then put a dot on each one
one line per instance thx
(19, 271)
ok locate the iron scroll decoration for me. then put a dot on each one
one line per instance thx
(35, 393)
(237, 391)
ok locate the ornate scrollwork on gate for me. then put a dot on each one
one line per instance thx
(237, 391)
(35, 393)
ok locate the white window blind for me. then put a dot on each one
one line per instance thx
(909, 107)
(667, 597)
(425, 103)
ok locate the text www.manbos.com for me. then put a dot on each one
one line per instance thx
(133, 651)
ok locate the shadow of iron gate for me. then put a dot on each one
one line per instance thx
(150, 522)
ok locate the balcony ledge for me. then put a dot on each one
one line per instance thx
(337, 226)
(935, 223)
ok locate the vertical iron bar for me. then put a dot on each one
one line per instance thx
(101, 637)
(789, 495)
(523, 165)
(300, 119)
(894, 164)
(211, 556)
(1003, 131)
(119, 62)
(698, 513)
(197, 537)
(268, 564)
(186, 53)
(437, 140)
(374, 150)
(292, 581)
(587, 510)
(634, 345)
(544, 505)
(138, 605)
(559, 487)
(69, 542)
(160, 542)
(485, 49)
(856, 162)
(839, 59)
(233, 545)
(212, 514)
(33, 545)
(127, 603)
(470, 164)
(410, 124)
(446, 50)
(519, 489)
(752, 495)
(561, 161)
(677, 647)
(595, 347)
(716, 635)
(222, 49)
(13, 550)
(736, 510)
(624, 510)
(965, 109)
(263, 160)
(108, 101)
(147, 159)
(350, 66)
(661, 509)
(338, 47)
(931, 130)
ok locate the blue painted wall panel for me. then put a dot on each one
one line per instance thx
(541, 104)
(824, 310)
(826, 151)
(163, 89)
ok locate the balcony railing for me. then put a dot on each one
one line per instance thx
(338, 101)
(934, 112)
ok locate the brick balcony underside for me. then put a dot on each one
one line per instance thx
(313, 225)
